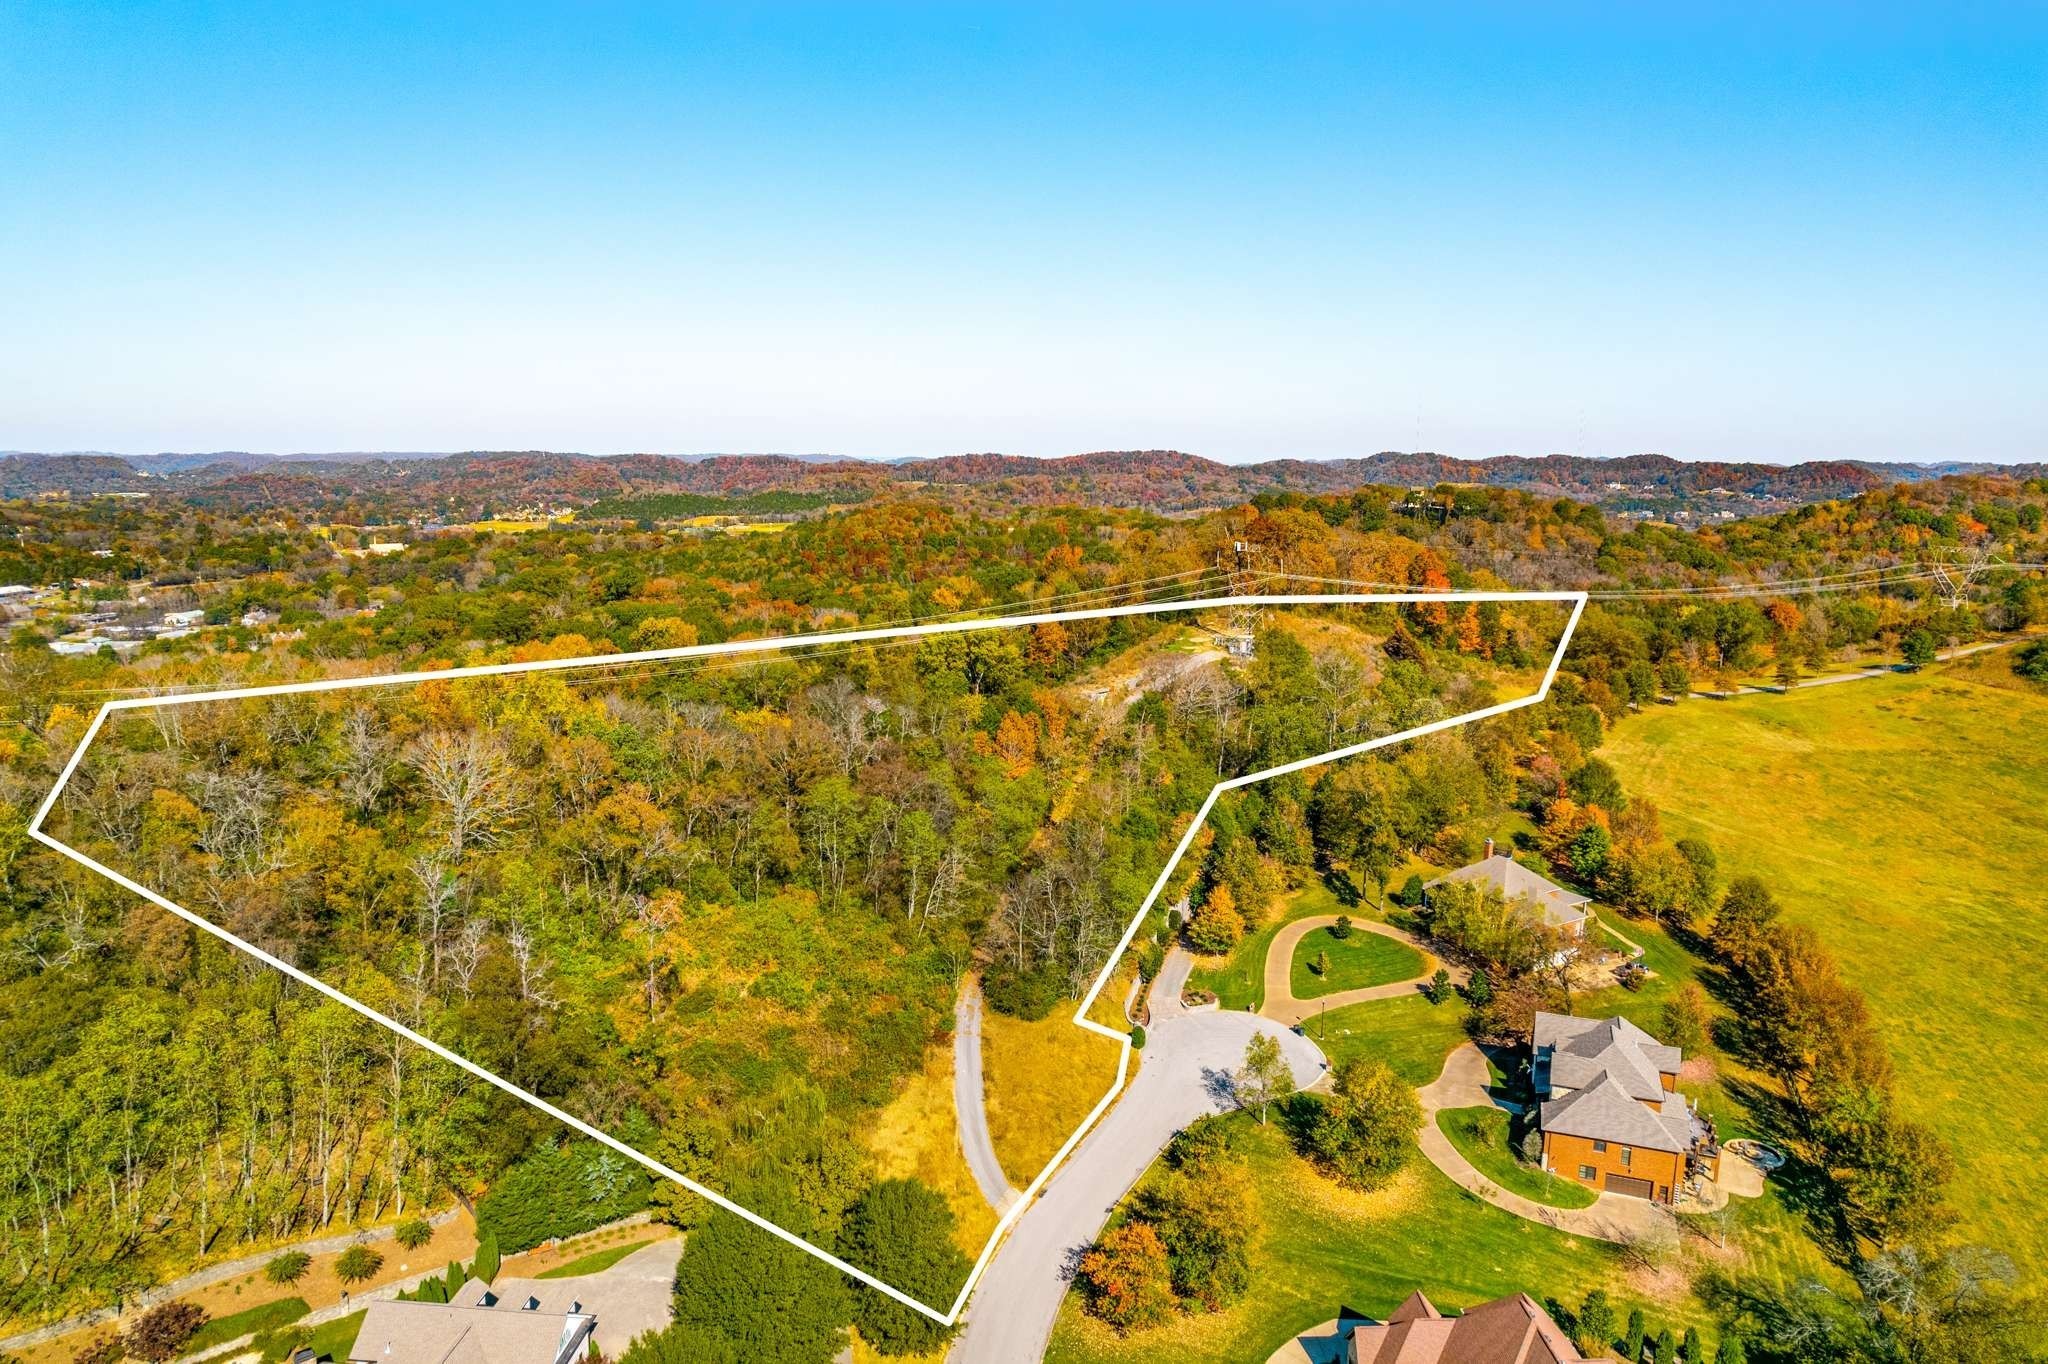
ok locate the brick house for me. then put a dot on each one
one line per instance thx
(1610, 1112)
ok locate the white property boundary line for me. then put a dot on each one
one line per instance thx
(745, 646)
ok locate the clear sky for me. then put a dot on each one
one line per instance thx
(1244, 231)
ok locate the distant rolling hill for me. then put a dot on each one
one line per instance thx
(366, 485)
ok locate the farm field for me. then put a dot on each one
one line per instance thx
(1902, 818)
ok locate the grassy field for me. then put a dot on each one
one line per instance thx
(1356, 962)
(1039, 1080)
(250, 1320)
(1903, 818)
(595, 1262)
(918, 1136)
(1482, 1134)
(1322, 1247)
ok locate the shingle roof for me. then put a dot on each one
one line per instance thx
(1603, 1111)
(442, 1333)
(1512, 1330)
(1558, 906)
(1571, 1053)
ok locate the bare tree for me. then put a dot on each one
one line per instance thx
(471, 777)
(526, 960)
(437, 896)
(365, 763)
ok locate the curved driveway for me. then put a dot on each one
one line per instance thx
(970, 1112)
(1188, 1061)
(1282, 1007)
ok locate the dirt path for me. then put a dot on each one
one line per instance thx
(1282, 1007)
(1465, 1084)
(1884, 670)
(970, 1112)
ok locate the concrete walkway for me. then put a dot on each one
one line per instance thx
(970, 1112)
(1464, 1084)
(1283, 1008)
(1190, 1057)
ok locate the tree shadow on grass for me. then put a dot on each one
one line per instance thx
(1341, 887)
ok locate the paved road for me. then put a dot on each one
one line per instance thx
(1283, 1008)
(970, 1113)
(1464, 1084)
(1189, 1058)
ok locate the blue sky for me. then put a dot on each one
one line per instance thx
(1245, 231)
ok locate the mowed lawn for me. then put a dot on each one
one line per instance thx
(1905, 818)
(1356, 962)
(1321, 1247)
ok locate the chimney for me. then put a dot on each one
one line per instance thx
(1489, 847)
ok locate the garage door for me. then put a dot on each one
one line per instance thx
(1634, 1188)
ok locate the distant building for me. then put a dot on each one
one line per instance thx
(178, 620)
(1505, 1331)
(1558, 907)
(256, 616)
(517, 1321)
(13, 590)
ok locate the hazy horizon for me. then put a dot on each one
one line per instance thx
(885, 230)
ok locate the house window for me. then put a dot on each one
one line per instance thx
(1599, 1146)
(1588, 1173)
(1628, 1155)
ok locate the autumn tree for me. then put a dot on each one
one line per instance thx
(1365, 1131)
(1128, 1278)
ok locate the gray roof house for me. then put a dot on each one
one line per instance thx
(1497, 871)
(515, 1321)
(1612, 1089)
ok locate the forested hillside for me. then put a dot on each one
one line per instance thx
(164, 1100)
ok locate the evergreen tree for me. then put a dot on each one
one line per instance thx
(901, 1232)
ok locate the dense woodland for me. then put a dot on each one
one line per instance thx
(544, 872)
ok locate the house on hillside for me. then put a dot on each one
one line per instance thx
(1610, 1112)
(1558, 907)
(1510, 1330)
(519, 1321)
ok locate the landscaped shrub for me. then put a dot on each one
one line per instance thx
(1137, 1037)
(414, 1232)
(161, 1332)
(357, 1263)
(1029, 995)
(289, 1267)
(560, 1191)
(485, 1266)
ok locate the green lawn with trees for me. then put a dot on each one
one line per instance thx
(1352, 962)
(1482, 1135)
(1320, 1246)
(1901, 817)
(1412, 1035)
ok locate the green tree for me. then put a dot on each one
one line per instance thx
(1595, 783)
(901, 1231)
(413, 1233)
(1691, 1347)
(1596, 1324)
(1687, 1017)
(1321, 965)
(1439, 986)
(357, 1263)
(1731, 1351)
(747, 1295)
(1632, 1338)
(1919, 649)
(485, 1265)
(1265, 1075)
(1365, 1131)
(288, 1267)
(1666, 1348)
(1747, 912)
(1342, 928)
(1205, 1214)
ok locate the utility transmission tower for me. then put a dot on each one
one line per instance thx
(1953, 580)
(1240, 631)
